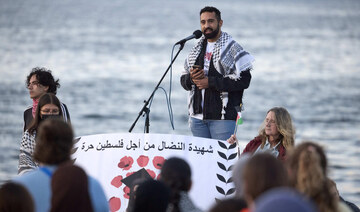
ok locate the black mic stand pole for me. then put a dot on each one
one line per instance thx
(145, 108)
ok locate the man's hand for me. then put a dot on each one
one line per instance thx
(202, 83)
(198, 77)
(196, 74)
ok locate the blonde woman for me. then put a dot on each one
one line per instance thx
(307, 168)
(276, 134)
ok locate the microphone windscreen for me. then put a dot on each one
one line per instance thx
(197, 34)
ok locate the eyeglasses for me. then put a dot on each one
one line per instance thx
(46, 111)
(270, 122)
(37, 83)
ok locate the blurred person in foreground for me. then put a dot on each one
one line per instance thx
(48, 107)
(70, 191)
(307, 167)
(336, 193)
(216, 73)
(261, 173)
(276, 134)
(151, 196)
(230, 205)
(39, 82)
(283, 200)
(238, 175)
(54, 143)
(133, 181)
(15, 198)
(176, 174)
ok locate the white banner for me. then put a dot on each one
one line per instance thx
(112, 157)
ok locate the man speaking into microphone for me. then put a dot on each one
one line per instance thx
(217, 70)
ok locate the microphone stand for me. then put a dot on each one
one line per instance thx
(145, 108)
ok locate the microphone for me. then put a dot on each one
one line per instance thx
(196, 34)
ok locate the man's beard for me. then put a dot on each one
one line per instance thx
(212, 34)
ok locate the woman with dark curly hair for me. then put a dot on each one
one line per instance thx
(38, 82)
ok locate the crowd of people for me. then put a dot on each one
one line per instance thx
(272, 173)
(271, 170)
(263, 182)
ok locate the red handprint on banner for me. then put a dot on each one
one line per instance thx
(114, 204)
(158, 161)
(143, 160)
(126, 163)
(117, 181)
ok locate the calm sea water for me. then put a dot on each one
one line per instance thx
(109, 55)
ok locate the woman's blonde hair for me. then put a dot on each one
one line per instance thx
(284, 125)
(308, 174)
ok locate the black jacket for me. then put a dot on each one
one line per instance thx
(217, 84)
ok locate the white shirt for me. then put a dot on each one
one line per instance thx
(272, 150)
(207, 58)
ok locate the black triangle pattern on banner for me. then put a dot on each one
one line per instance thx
(76, 140)
(221, 178)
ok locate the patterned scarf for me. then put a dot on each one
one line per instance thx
(229, 59)
(35, 104)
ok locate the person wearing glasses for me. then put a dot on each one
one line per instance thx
(48, 107)
(39, 82)
(276, 134)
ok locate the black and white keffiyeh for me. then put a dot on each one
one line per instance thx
(27, 147)
(229, 57)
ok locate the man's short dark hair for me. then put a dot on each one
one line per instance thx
(54, 141)
(45, 78)
(212, 9)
